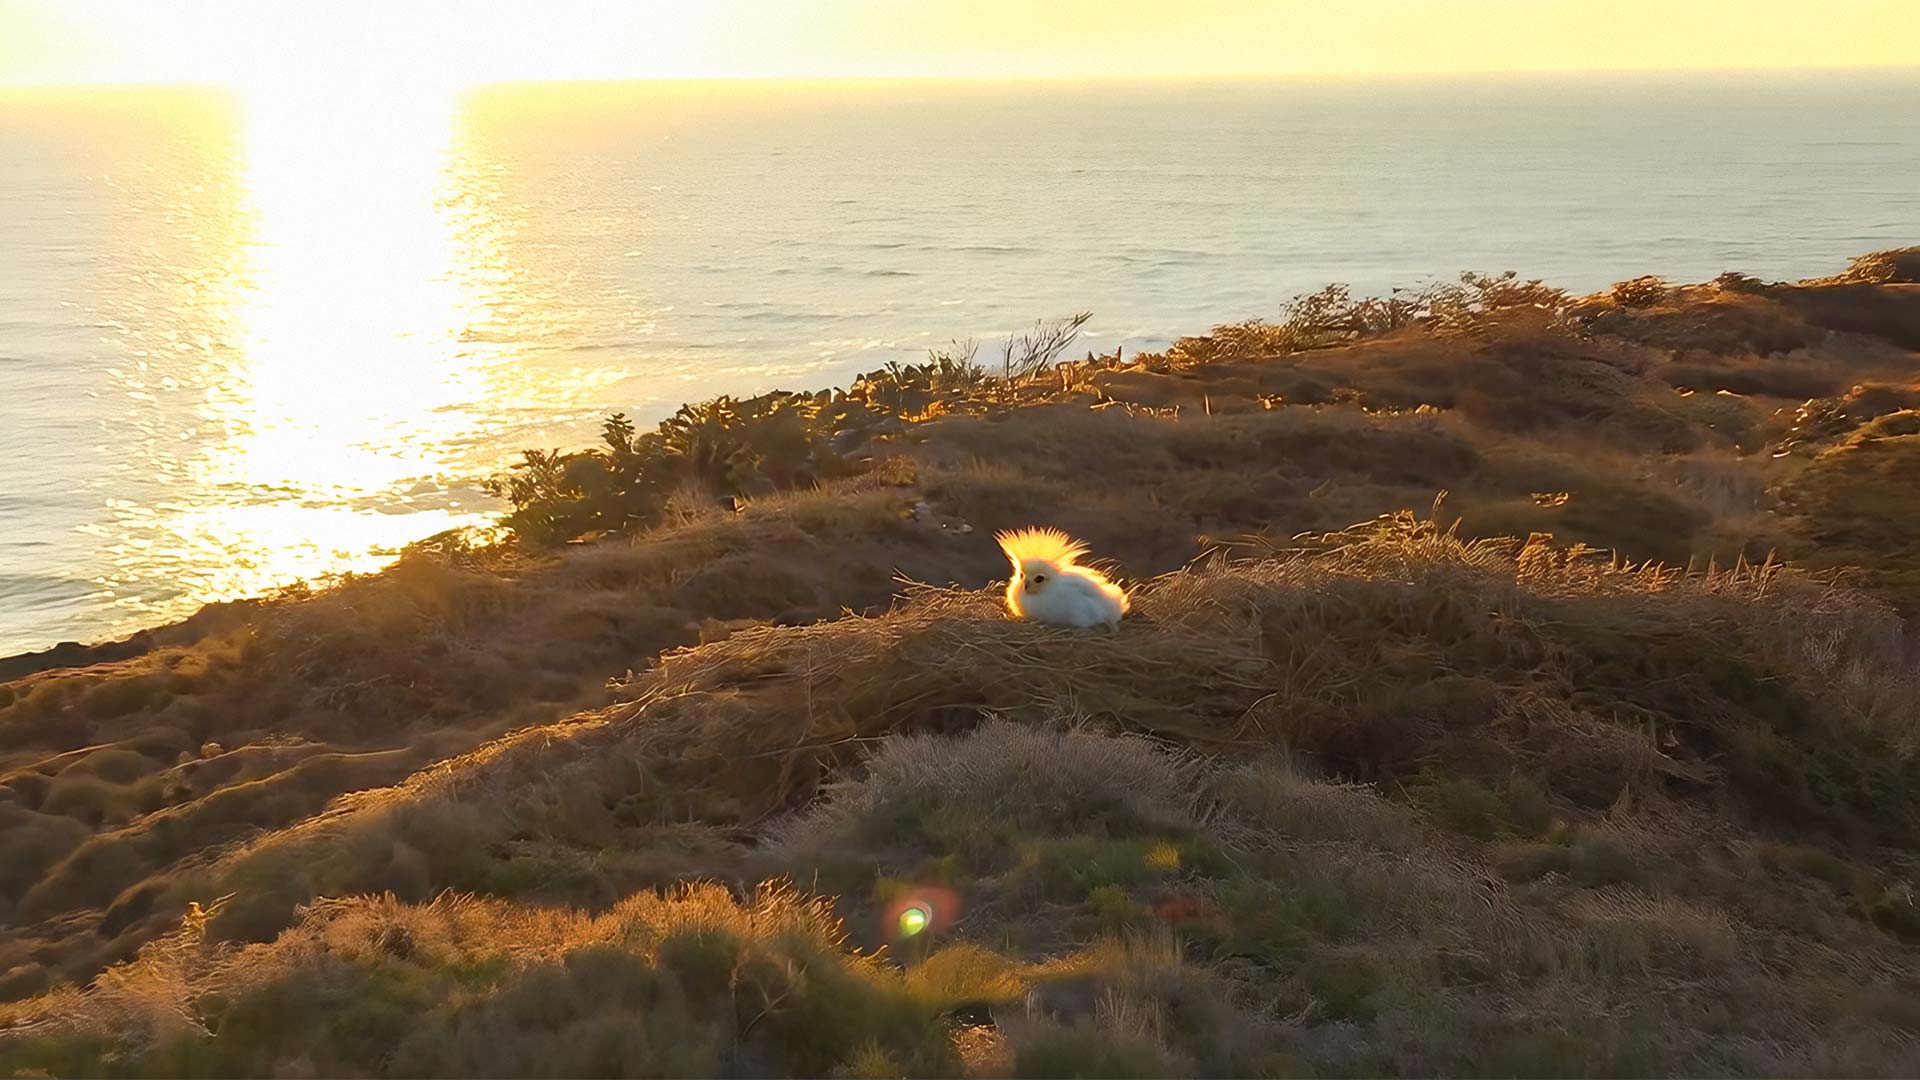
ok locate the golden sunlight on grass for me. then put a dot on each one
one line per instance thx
(1415, 796)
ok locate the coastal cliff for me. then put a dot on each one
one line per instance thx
(1517, 683)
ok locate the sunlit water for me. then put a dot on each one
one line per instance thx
(248, 340)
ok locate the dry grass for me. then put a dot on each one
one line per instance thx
(1849, 518)
(1272, 924)
(1578, 804)
(1895, 266)
(1022, 777)
(1356, 651)
(1600, 682)
(463, 987)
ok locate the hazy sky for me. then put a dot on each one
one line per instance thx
(468, 41)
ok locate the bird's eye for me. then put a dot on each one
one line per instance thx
(1038, 578)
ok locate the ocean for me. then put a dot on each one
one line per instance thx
(246, 341)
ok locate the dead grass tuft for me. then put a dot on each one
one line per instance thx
(1895, 266)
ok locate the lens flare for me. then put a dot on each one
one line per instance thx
(920, 910)
(914, 919)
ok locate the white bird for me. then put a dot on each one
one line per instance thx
(1047, 587)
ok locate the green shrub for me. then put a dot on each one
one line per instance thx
(724, 446)
(778, 441)
(692, 982)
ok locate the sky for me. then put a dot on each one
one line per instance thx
(465, 42)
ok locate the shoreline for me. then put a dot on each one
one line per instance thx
(1167, 228)
(72, 653)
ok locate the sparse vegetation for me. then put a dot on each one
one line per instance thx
(1640, 292)
(1333, 316)
(778, 441)
(1464, 791)
(1900, 266)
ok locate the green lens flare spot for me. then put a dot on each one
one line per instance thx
(914, 920)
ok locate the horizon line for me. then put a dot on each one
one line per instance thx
(1057, 77)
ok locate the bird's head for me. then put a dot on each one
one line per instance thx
(1038, 556)
(1037, 574)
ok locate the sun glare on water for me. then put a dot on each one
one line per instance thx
(348, 305)
(352, 296)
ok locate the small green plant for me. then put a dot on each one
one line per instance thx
(1115, 909)
(1463, 805)
(1345, 985)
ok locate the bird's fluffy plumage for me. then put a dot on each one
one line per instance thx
(1040, 545)
(1049, 587)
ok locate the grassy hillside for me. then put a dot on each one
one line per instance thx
(1605, 762)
